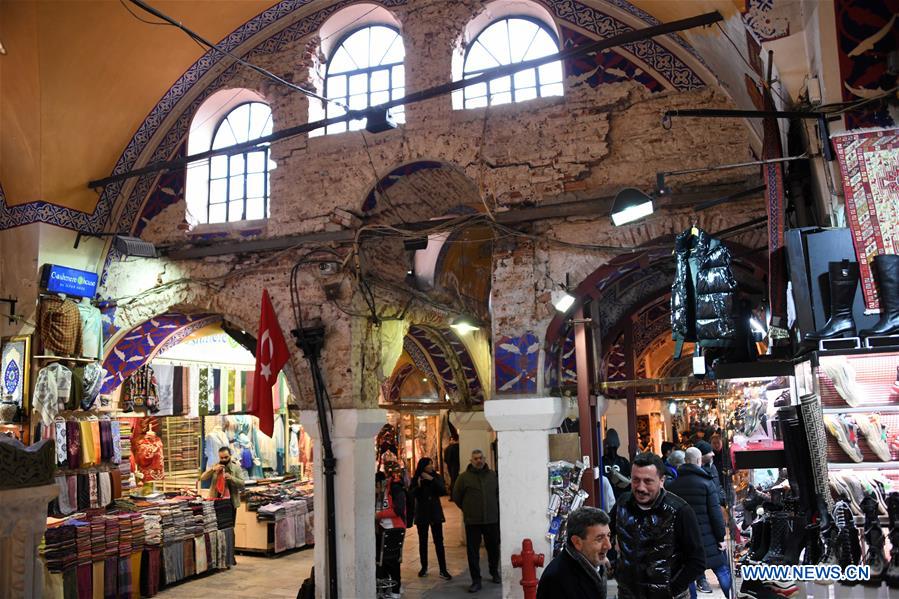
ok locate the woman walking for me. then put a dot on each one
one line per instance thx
(427, 488)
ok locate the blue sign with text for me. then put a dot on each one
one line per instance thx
(71, 281)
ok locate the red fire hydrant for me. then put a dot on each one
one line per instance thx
(528, 561)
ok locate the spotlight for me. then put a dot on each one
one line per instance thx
(630, 204)
(378, 121)
(672, 408)
(562, 300)
(465, 324)
(133, 246)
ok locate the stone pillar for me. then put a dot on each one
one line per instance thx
(23, 519)
(523, 426)
(353, 434)
(474, 433)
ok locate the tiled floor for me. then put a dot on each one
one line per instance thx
(281, 577)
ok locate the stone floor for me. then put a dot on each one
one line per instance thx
(280, 577)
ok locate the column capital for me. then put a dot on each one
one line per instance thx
(348, 423)
(525, 413)
(470, 421)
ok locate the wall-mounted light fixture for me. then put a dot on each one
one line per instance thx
(123, 243)
(379, 120)
(630, 205)
(561, 299)
(465, 324)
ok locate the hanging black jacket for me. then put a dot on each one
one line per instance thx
(660, 551)
(703, 295)
(695, 486)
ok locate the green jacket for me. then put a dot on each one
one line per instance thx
(476, 492)
(234, 485)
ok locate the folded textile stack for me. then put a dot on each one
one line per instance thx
(60, 546)
(83, 544)
(124, 456)
(112, 536)
(137, 532)
(224, 513)
(210, 523)
(152, 530)
(196, 525)
(125, 534)
(98, 539)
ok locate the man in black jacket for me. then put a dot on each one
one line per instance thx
(476, 492)
(659, 548)
(695, 486)
(578, 572)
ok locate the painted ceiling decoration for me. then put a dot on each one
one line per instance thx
(161, 134)
(141, 343)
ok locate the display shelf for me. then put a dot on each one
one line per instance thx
(864, 465)
(868, 351)
(880, 409)
(65, 359)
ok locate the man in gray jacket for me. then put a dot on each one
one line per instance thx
(476, 492)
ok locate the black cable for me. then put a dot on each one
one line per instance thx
(204, 42)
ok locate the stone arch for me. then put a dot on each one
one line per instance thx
(630, 286)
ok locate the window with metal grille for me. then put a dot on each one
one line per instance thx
(365, 70)
(239, 183)
(509, 41)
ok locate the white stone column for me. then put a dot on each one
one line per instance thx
(353, 434)
(523, 426)
(23, 519)
(474, 433)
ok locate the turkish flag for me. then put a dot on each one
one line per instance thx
(271, 356)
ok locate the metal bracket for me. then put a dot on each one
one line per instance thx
(12, 308)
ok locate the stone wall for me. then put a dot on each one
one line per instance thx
(588, 143)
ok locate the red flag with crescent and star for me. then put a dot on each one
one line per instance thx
(271, 356)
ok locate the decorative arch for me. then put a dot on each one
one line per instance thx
(140, 344)
(631, 286)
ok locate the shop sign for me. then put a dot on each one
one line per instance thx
(71, 281)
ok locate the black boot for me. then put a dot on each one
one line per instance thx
(843, 281)
(780, 528)
(886, 270)
(814, 546)
(760, 539)
(752, 502)
(892, 573)
(874, 558)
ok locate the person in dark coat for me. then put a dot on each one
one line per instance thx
(695, 486)
(671, 465)
(659, 548)
(616, 468)
(579, 571)
(427, 489)
(451, 459)
(477, 494)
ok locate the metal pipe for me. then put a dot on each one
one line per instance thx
(724, 167)
(586, 419)
(743, 114)
(425, 94)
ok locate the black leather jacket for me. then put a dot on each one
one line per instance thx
(703, 295)
(659, 549)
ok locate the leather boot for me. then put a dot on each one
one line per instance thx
(780, 528)
(814, 546)
(795, 540)
(752, 502)
(843, 281)
(760, 539)
(892, 573)
(874, 557)
(886, 273)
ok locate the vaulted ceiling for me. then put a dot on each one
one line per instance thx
(80, 76)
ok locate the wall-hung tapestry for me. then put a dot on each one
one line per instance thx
(14, 368)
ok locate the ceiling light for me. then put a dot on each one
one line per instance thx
(465, 324)
(672, 408)
(630, 204)
(562, 300)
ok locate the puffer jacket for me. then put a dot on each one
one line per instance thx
(695, 486)
(703, 295)
(660, 551)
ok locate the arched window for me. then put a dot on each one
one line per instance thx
(507, 41)
(238, 184)
(366, 69)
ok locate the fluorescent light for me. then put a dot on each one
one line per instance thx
(464, 324)
(630, 204)
(562, 300)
